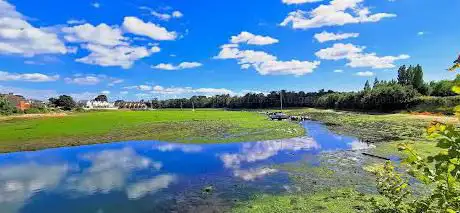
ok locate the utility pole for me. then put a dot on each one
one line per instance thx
(281, 99)
(193, 106)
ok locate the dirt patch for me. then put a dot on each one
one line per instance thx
(435, 117)
(26, 116)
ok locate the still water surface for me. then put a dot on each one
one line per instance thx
(152, 176)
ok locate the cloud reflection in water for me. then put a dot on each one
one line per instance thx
(258, 151)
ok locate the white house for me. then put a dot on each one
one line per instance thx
(100, 105)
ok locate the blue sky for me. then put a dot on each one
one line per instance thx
(141, 49)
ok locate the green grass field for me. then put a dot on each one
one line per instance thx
(202, 126)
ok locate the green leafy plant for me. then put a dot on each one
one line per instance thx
(439, 173)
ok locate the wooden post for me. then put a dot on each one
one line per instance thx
(281, 98)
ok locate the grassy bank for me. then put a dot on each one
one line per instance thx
(202, 126)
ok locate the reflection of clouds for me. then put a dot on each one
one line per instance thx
(253, 152)
(257, 151)
(140, 189)
(252, 174)
(20, 182)
(109, 170)
(183, 148)
(358, 145)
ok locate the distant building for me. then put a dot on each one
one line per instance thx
(100, 105)
(131, 105)
(17, 100)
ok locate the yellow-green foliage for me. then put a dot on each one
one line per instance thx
(202, 126)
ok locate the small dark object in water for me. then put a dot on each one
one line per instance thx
(208, 189)
(375, 156)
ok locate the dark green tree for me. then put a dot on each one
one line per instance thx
(376, 82)
(6, 108)
(102, 98)
(409, 75)
(65, 102)
(402, 75)
(367, 86)
(417, 80)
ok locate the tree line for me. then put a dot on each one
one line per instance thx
(396, 94)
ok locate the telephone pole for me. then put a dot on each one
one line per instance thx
(281, 100)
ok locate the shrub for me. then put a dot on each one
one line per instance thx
(388, 97)
(435, 104)
(6, 108)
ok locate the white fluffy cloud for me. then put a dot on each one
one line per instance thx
(189, 90)
(338, 71)
(326, 36)
(177, 14)
(166, 16)
(30, 93)
(101, 34)
(123, 56)
(357, 58)
(365, 74)
(374, 61)
(339, 51)
(249, 38)
(30, 77)
(76, 21)
(181, 66)
(157, 89)
(264, 63)
(96, 5)
(107, 45)
(138, 27)
(300, 1)
(83, 80)
(92, 79)
(337, 13)
(17, 36)
(115, 81)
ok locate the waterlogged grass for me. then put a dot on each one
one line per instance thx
(334, 200)
(375, 127)
(202, 126)
(390, 149)
(371, 127)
